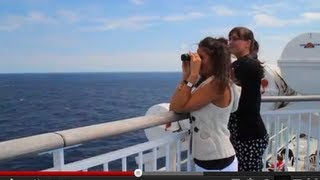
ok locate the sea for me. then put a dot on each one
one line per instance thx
(35, 103)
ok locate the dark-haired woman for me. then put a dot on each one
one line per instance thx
(248, 133)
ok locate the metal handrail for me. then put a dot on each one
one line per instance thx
(59, 139)
(298, 98)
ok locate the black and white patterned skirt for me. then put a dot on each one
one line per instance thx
(248, 152)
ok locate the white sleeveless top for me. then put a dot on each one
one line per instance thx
(210, 134)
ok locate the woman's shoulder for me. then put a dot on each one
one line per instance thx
(250, 63)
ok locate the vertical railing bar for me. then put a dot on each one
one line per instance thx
(264, 117)
(308, 142)
(276, 132)
(179, 155)
(270, 139)
(124, 163)
(189, 157)
(168, 157)
(58, 158)
(140, 165)
(155, 159)
(318, 147)
(298, 143)
(287, 142)
(106, 166)
(269, 130)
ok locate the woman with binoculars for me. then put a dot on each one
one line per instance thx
(207, 93)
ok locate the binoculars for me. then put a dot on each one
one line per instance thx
(185, 57)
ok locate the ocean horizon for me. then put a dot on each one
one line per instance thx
(36, 103)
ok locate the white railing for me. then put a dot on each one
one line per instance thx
(281, 125)
(172, 144)
(284, 126)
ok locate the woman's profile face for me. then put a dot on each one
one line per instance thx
(206, 69)
(238, 45)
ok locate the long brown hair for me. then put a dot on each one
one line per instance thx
(221, 59)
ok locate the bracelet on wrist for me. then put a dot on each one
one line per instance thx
(189, 84)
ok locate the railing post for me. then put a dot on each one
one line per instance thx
(168, 157)
(106, 166)
(140, 161)
(173, 156)
(155, 159)
(58, 158)
(318, 150)
(287, 143)
(178, 155)
(124, 163)
(276, 144)
(298, 143)
(308, 143)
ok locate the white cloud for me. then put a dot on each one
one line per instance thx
(9, 27)
(68, 16)
(311, 16)
(272, 8)
(310, 4)
(11, 23)
(186, 47)
(131, 23)
(268, 20)
(138, 22)
(184, 17)
(265, 20)
(223, 11)
(136, 2)
(38, 17)
(278, 38)
(217, 31)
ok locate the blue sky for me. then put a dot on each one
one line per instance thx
(137, 35)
